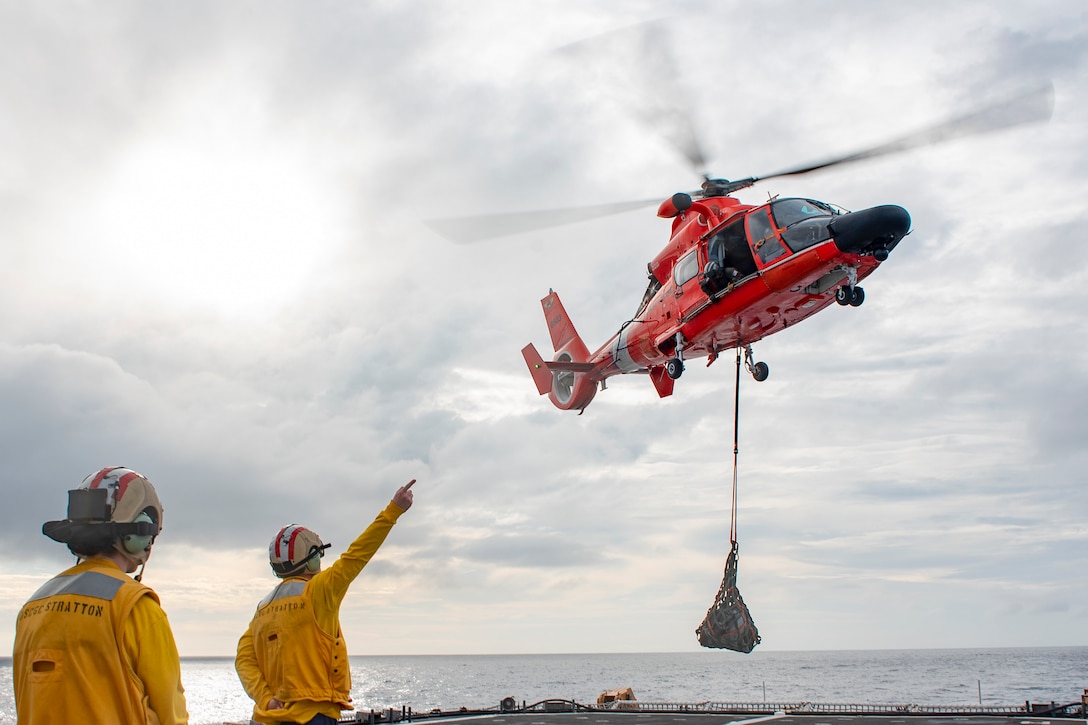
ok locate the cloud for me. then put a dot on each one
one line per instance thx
(218, 273)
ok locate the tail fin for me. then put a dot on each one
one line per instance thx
(564, 337)
(568, 380)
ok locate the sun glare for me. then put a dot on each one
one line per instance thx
(230, 220)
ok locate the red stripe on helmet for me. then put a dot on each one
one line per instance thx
(279, 538)
(98, 477)
(123, 481)
(291, 544)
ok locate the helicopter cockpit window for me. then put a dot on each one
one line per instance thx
(803, 221)
(762, 236)
(686, 269)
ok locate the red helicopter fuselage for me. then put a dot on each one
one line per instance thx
(730, 275)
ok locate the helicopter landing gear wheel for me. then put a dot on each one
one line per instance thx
(759, 370)
(852, 296)
(674, 368)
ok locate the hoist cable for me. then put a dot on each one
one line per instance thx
(728, 623)
(736, 449)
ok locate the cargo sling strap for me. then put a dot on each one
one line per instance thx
(728, 624)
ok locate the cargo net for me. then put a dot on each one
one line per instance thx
(728, 625)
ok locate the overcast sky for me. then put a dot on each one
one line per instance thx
(216, 271)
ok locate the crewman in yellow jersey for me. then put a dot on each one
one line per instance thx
(92, 644)
(292, 660)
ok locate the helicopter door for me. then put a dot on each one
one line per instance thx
(762, 237)
(729, 248)
(687, 293)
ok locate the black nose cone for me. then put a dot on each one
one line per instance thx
(871, 230)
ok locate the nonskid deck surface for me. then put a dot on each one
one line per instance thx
(619, 718)
(565, 712)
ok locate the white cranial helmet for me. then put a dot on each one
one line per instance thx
(294, 549)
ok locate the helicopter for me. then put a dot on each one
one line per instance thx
(731, 273)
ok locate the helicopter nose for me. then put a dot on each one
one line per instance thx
(875, 230)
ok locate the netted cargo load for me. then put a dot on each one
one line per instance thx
(728, 624)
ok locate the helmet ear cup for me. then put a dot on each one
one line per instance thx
(313, 561)
(135, 543)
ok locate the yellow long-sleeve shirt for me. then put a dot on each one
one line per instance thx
(93, 645)
(293, 650)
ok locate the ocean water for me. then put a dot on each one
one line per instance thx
(921, 677)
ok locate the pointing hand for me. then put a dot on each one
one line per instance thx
(403, 496)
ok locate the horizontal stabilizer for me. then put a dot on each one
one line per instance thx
(538, 369)
(570, 367)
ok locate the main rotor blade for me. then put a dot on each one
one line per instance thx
(637, 68)
(468, 229)
(1030, 107)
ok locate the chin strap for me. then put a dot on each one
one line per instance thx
(286, 568)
